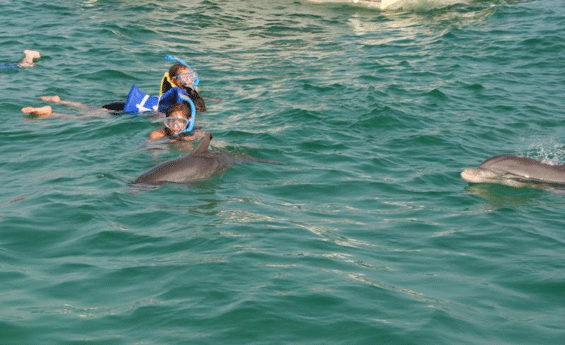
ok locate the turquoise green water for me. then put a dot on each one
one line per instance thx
(367, 236)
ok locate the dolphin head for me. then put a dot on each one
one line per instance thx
(515, 171)
(505, 169)
(485, 175)
(479, 175)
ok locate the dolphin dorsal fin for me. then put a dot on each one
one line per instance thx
(203, 146)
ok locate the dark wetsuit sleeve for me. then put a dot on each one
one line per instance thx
(116, 106)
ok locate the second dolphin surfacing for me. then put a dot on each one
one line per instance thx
(199, 164)
(516, 171)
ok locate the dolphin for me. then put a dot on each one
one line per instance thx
(516, 171)
(199, 164)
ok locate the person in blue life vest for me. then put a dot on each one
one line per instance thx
(178, 84)
(183, 78)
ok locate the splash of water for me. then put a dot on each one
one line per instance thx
(412, 5)
(418, 5)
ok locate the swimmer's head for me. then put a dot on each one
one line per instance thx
(179, 75)
(179, 119)
(181, 109)
(183, 76)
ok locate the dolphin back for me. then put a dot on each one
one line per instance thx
(163, 172)
(179, 169)
(199, 164)
(525, 169)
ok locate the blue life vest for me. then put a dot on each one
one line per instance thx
(173, 96)
(138, 101)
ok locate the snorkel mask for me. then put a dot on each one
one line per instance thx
(174, 123)
(188, 79)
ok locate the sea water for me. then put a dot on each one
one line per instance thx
(366, 236)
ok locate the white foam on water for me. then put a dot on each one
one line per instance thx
(396, 4)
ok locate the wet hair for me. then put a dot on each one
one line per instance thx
(182, 107)
(197, 100)
(174, 70)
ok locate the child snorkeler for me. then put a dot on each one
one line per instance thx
(182, 76)
(179, 124)
(29, 56)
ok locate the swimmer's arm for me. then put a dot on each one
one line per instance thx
(157, 134)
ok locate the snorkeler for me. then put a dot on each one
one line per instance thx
(27, 61)
(177, 85)
(179, 124)
(182, 76)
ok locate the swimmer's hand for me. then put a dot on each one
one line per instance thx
(30, 55)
